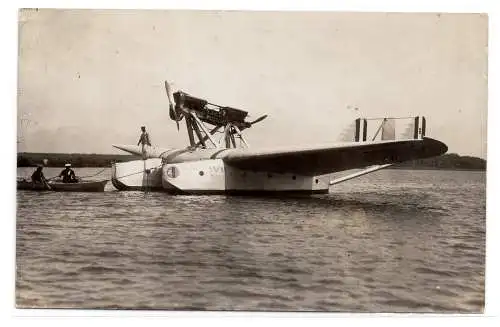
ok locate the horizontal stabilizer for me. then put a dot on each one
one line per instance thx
(151, 152)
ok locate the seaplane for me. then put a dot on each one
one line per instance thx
(228, 165)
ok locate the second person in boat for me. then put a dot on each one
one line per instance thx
(68, 175)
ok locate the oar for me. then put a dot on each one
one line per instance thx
(47, 184)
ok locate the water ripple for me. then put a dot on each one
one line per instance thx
(393, 241)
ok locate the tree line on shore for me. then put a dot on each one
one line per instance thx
(26, 159)
(451, 161)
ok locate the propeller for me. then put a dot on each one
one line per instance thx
(258, 120)
(249, 124)
(173, 112)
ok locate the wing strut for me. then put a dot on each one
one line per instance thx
(359, 173)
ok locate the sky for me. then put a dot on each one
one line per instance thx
(88, 79)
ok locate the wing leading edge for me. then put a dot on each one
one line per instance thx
(334, 158)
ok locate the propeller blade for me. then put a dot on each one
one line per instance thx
(247, 124)
(173, 112)
(169, 94)
(258, 120)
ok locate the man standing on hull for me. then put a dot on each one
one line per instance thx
(144, 141)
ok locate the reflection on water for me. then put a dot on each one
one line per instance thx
(393, 241)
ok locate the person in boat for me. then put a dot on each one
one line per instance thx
(68, 175)
(37, 176)
(144, 141)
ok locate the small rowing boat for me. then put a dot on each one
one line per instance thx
(87, 186)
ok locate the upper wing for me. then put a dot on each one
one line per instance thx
(321, 160)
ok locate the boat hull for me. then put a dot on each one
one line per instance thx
(93, 186)
(26, 185)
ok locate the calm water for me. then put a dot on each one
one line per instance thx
(392, 241)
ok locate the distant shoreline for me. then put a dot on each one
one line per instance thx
(81, 160)
(77, 160)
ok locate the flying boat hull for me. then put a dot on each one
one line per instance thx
(209, 177)
(216, 177)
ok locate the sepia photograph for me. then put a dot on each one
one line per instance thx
(262, 161)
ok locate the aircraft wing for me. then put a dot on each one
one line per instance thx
(312, 161)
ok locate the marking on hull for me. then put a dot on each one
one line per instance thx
(172, 172)
(216, 170)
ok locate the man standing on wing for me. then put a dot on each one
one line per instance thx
(144, 140)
